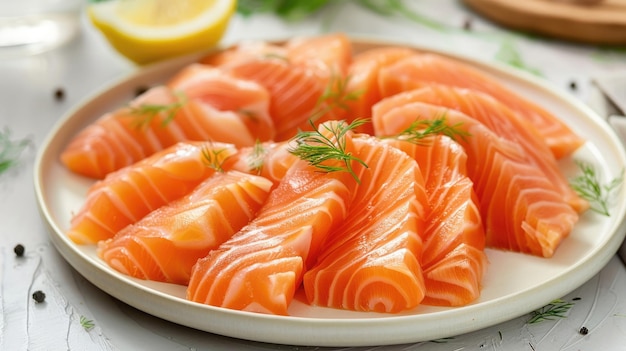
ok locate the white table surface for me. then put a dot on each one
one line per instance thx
(28, 108)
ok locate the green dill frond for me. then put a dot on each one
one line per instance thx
(256, 158)
(318, 149)
(556, 309)
(146, 113)
(588, 186)
(335, 95)
(214, 158)
(11, 150)
(420, 129)
(87, 324)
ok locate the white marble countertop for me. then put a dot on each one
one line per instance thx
(29, 109)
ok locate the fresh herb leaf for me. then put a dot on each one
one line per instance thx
(419, 130)
(317, 149)
(588, 186)
(335, 95)
(256, 158)
(146, 113)
(214, 158)
(555, 309)
(10, 150)
(87, 324)
(289, 10)
(397, 7)
(509, 54)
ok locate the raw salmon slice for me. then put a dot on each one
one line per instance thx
(425, 69)
(245, 102)
(501, 120)
(270, 160)
(294, 92)
(453, 258)
(125, 136)
(371, 262)
(362, 80)
(246, 50)
(522, 210)
(326, 55)
(165, 244)
(199, 104)
(127, 195)
(259, 268)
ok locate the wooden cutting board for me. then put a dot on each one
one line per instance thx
(601, 23)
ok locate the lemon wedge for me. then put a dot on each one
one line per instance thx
(145, 31)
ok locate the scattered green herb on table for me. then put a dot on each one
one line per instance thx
(556, 309)
(589, 187)
(10, 150)
(318, 149)
(87, 324)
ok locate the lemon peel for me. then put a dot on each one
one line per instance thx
(146, 31)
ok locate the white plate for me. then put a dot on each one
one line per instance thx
(514, 285)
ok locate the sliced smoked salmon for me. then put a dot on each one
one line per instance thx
(127, 195)
(426, 69)
(165, 244)
(200, 105)
(453, 259)
(362, 80)
(371, 262)
(521, 209)
(270, 160)
(501, 120)
(259, 268)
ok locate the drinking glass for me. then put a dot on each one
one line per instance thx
(34, 26)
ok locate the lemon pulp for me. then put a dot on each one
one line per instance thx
(150, 30)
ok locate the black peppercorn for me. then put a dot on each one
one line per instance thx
(573, 85)
(39, 296)
(59, 94)
(584, 331)
(19, 250)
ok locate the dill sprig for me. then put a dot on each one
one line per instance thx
(214, 158)
(290, 10)
(335, 95)
(87, 324)
(419, 130)
(555, 309)
(317, 149)
(10, 150)
(256, 158)
(390, 8)
(588, 186)
(146, 113)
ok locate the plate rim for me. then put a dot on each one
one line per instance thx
(349, 326)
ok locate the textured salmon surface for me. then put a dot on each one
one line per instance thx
(260, 267)
(200, 104)
(426, 69)
(453, 258)
(271, 160)
(199, 182)
(362, 81)
(521, 209)
(371, 262)
(165, 244)
(501, 120)
(127, 195)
